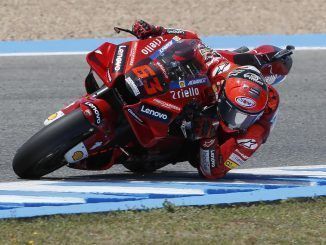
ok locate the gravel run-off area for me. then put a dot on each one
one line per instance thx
(58, 19)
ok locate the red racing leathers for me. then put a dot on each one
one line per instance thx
(223, 149)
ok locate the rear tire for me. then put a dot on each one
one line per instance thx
(44, 152)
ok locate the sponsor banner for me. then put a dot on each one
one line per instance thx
(166, 105)
(164, 48)
(132, 86)
(132, 56)
(135, 116)
(96, 112)
(77, 153)
(184, 93)
(205, 164)
(36, 198)
(119, 60)
(194, 82)
(230, 164)
(236, 159)
(155, 113)
(53, 117)
(254, 78)
(153, 45)
(245, 101)
(245, 157)
(175, 31)
(250, 73)
(207, 160)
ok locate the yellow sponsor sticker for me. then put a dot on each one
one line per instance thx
(230, 164)
(52, 117)
(182, 84)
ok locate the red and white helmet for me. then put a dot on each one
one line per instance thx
(243, 98)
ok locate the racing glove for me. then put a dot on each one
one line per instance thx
(204, 127)
(144, 30)
(198, 124)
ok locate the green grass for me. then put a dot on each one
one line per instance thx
(286, 222)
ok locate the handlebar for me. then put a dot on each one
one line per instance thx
(119, 29)
(283, 53)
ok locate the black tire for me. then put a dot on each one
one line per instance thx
(44, 152)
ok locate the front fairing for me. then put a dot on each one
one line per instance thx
(164, 75)
(164, 82)
(100, 61)
(110, 61)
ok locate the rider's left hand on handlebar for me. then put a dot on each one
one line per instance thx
(142, 29)
(203, 127)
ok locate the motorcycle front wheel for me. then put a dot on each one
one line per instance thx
(44, 152)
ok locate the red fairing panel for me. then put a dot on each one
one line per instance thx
(100, 60)
(150, 120)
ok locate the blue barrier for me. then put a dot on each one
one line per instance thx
(35, 198)
(222, 42)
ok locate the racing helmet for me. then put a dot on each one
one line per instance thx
(243, 98)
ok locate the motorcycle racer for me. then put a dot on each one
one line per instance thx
(245, 109)
(164, 99)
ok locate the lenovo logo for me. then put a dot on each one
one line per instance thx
(120, 58)
(96, 112)
(154, 113)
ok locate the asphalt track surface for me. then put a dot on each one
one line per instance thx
(32, 88)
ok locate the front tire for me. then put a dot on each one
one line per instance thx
(44, 152)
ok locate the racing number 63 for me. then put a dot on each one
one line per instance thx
(152, 85)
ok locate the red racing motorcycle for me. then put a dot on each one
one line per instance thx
(138, 95)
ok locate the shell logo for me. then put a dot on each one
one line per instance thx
(77, 155)
(245, 102)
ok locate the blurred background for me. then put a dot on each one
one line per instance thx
(57, 19)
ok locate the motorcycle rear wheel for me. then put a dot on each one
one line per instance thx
(44, 152)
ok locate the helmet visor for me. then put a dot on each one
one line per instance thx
(235, 118)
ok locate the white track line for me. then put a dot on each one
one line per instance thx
(39, 199)
(47, 186)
